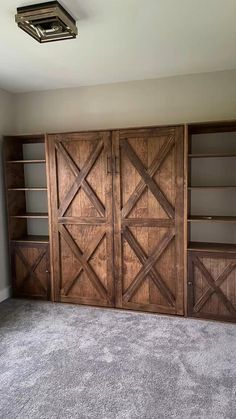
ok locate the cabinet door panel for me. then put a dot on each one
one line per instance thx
(30, 270)
(148, 237)
(212, 285)
(80, 167)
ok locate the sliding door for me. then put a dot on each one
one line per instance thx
(80, 173)
(148, 219)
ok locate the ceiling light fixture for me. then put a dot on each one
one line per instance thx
(46, 22)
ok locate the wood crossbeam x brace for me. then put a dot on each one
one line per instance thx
(153, 273)
(88, 253)
(214, 286)
(80, 179)
(148, 266)
(83, 259)
(31, 274)
(147, 177)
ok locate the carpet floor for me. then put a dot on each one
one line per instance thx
(67, 361)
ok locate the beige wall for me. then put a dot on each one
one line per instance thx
(6, 114)
(202, 97)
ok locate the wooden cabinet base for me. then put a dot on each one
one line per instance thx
(30, 270)
(212, 285)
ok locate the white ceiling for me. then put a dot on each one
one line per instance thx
(120, 40)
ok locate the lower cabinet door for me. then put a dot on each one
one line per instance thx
(212, 285)
(30, 270)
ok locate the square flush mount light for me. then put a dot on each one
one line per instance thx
(46, 22)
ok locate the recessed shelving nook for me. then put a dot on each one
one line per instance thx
(26, 189)
(211, 220)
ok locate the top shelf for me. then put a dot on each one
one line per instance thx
(212, 155)
(26, 161)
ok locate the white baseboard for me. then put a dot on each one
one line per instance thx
(5, 293)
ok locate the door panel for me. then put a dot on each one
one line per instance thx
(30, 270)
(212, 285)
(148, 219)
(80, 167)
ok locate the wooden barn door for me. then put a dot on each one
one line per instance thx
(80, 176)
(148, 214)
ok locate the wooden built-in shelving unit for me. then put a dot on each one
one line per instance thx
(178, 217)
(211, 221)
(25, 174)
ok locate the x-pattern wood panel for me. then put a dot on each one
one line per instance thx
(113, 221)
(150, 270)
(80, 179)
(156, 285)
(148, 266)
(88, 253)
(83, 259)
(86, 156)
(147, 177)
(31, 269)
(214, 286)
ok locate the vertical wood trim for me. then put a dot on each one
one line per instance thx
(54, 234)
(4, 149)
(185, 278)
(117, 219)
(48, 265)
(109, 215)
(179, 220)
(190, 284)
(13, 267)
(50, 250)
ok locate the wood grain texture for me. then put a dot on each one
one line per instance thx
(212, 285)
(30, 270)
(82, 217)
(29, 254)
(148, 197)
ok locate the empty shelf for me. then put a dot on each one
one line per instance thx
(212, 247)
(31, 215)
(26, 161)
(27, 189)
(212, 187)
(211, 155)
(32, 239)
(214, 218)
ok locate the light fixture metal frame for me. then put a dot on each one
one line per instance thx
(29, 17)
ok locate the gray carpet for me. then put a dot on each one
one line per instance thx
(67, 361)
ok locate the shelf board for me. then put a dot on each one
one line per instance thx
(27, 189)
(26, 161)
(211, 155)
(32, 239)
(214, 218)
(212, 187)
(31, 215)
(212, 247)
